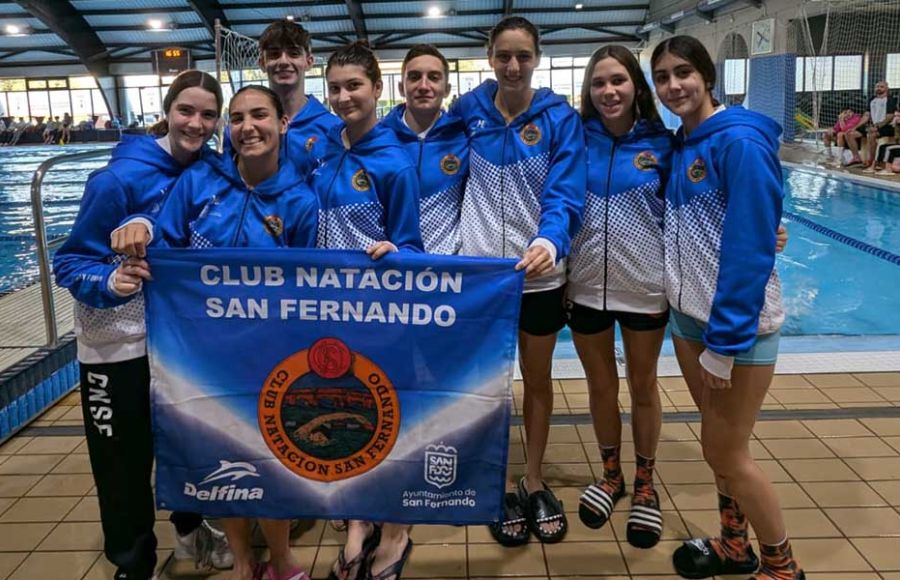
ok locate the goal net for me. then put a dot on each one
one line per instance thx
(237, 61)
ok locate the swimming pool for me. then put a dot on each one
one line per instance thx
(63, 187)
(840, 271)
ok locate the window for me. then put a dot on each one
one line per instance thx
(140, 81)
(848, 72)
(736, 76)
(798, 75)
(18, 104)
(82, 83)
(40, 104)
(81, 105)
(818, 73)
(8, 85)
(892, 72)
(59, 103)
(540, 79)
(562, 81)
(99, 103)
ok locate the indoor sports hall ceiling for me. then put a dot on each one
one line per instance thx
(103, 33)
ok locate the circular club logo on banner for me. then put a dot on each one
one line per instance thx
(328, 413)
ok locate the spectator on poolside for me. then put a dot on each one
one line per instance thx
(882, 109)
(65, 132)
(846, 129)
(51, 131)
(18, 129)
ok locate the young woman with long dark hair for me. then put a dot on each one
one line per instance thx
(723, 205)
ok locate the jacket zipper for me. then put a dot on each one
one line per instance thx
(503, 189)
(612, 158)
(419, 163)
(237, 232)
(678, 247)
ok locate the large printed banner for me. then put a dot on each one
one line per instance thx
(315, 383)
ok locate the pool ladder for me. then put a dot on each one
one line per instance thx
(40, 236)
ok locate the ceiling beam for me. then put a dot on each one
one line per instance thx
(354, 8)
(209, 11)
(67, 23)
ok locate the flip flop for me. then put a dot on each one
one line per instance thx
(542, 507)
(513, 515)
(394, 569)
(697, 559)
(346, 566)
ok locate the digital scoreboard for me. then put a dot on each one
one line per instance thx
(171, 61)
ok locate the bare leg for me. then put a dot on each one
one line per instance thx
(641, 355)
(357, 532)
(276, 533)
(727, 422)
(853, 142)
(536, 364)
(597, 355)
(394, 539)
(237, 530)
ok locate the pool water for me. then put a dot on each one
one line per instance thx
(63, 187)
(840, 272)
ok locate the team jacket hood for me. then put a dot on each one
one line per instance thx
(526, 178)
(137, 180)
(211, 206)
(367, 193)
(723, 206)
(617, 260)
(442, 164)
(308, 126)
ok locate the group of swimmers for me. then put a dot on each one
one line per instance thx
(610, 216)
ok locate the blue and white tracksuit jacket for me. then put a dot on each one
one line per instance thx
(723, 207)
(110, 328)
(212, 207)
(442, 164)
(526, 179)
(367, 193)
(617, 260)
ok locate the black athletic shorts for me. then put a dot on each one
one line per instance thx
(886, 131)
(587, 320)
(543, 313)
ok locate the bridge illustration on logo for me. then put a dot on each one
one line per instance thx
(440, 465)
(328, 413)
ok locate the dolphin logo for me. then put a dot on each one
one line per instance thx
(235, 470)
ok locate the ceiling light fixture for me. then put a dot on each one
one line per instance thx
(160, 25)
(17, 30)
(579, 6)
(434, 12)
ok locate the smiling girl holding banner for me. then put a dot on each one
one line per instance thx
(251, 200)
(109, 326)
(524, 199)
(369, 193)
